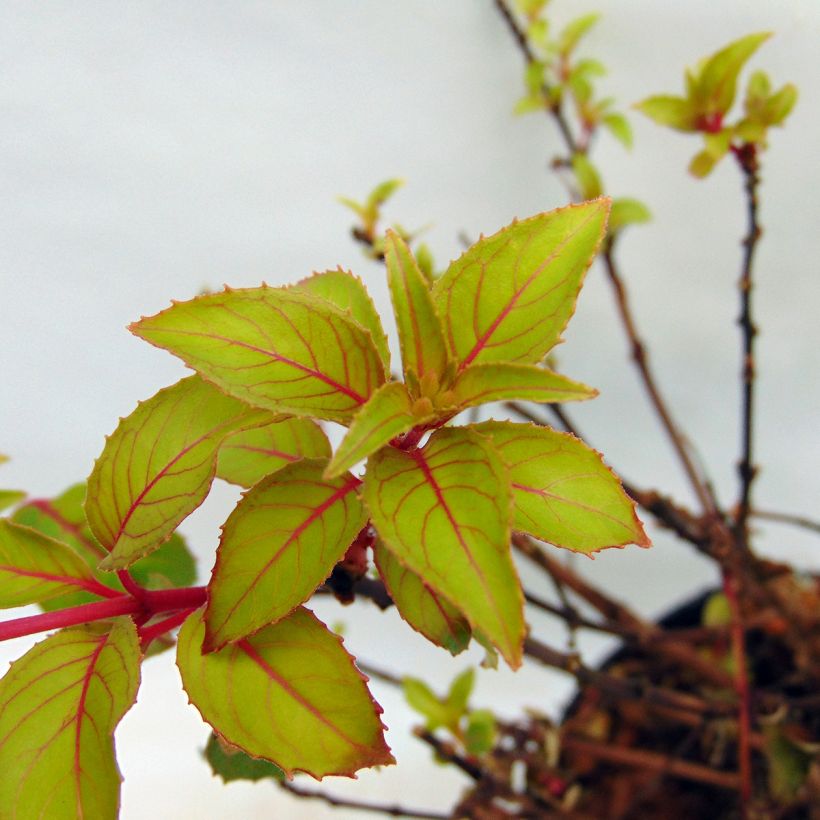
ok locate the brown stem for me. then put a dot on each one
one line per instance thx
(679, 653)
(640, 358)
(529, 57)
(639, 758)
(748, 162)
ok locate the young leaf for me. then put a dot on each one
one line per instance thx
(563, 491)
(620, 128)
(34, 567)
(59, 705)
(158, 465)
(276, 348)
(422, 698)
(444, 512)
(289, 694)
(282, 541)
(482, 383)
(627, 212)
(387, 414)
(587, 176)
(250, 455)
(348, 293)
(231, 763)
(420, 335)
(460, 690)
(574, 31)
(717, 81)
(674, 112)
(479, 735)
(426, 611)
(509, 297)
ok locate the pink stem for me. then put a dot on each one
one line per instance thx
(149, 633)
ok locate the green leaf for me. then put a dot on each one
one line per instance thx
(172, 565)
(289, 694)
(281, 542)
(620, 128)
(382, 192)
(231, 763)
(563, 491)
(788, 765)
(158, 465)
(388, 413)
(8, 498)
(276, 348)
(460, 690)
(424, 258)
(627, 212)
(572, 33)
(427, 612)
(421, 338)
(348, 293)
(250, 455)
(527, 105)
(509, 297)
(34, 567)
(482, 383)
(479, 735)
(444, 511)
(717, 80)
(421, 698)
(589, 181)
(63, 518)
(59, 705)
(674, 112)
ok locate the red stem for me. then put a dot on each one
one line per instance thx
(129, 584)
(151, 603)
(741, 681)
(149, 633)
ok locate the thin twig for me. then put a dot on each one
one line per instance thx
(393, 810)
(787, 518)
(747, 159)
(640, 358)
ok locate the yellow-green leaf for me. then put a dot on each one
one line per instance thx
(63, 519)
(158, 465)
(563, 491)
(620, 128)
(281, 542)
(444, 511)
(281, 349)
(509, 297)
(674, 112)
(572, 33)
(421, 338)
(289, 694)
(427, 612)
(348, 293)
(250, 455)
(482, 383)
(8, 498)
(34, 567)
(59, 706)
(388, 413)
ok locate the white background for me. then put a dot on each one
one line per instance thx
(149, 150)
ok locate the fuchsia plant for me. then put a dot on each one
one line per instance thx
(437, 502)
